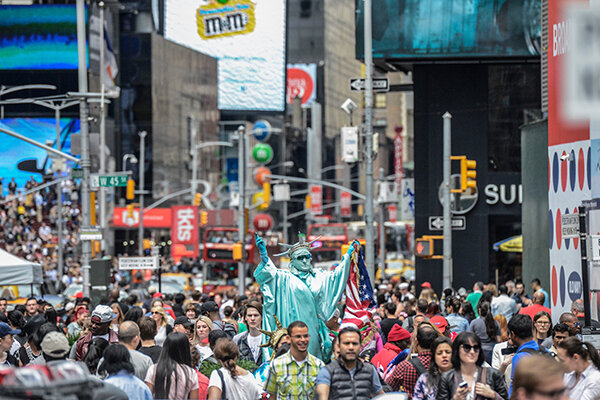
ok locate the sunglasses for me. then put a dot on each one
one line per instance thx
(467, 348)
(304, 257)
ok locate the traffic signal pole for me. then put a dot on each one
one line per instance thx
(241, 136)
(370, 230)
(447, 264)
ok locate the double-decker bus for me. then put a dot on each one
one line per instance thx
(327, 250)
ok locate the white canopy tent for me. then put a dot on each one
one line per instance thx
(16, 271)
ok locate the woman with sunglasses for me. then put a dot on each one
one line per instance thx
(582, 363)
(542, 326)
(469, 379)
(162, 325)
(427, 384)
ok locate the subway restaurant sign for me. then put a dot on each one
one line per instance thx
(222, 18)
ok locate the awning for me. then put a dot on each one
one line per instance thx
(513, 244)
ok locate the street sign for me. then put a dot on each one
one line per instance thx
(138, 262)
(106, 180)
(379, 84)
(77, 173)
(437, 223)
(345, 204)
(570, 225)
(281, 192)
(90, 234)
(316, 199)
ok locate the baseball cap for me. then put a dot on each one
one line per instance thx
(157, 294)
(55, 344)
(104, 313)
(403, 285)
(183, 320)
(398, 333)
(209, 306)
(69, 306)
(425, 284)
(440, 322)
(5, 329)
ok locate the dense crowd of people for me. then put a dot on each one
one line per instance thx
(482, 344)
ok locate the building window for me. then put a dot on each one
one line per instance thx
(380, 100)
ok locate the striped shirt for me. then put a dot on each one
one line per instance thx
(289, 379)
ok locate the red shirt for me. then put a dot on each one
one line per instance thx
(534, 309)
(202, 385)
(385, 357)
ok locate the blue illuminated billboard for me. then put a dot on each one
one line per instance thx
(38, 37)
(420, 30)
(15, 151)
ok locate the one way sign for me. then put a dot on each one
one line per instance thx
(437, 223)
(379, 84)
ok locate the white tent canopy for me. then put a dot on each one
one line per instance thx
(16, 271)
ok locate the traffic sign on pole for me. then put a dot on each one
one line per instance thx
(437, 223)
(138, 262)
(108, 180)
(379, 84)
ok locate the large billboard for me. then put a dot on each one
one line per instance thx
(38, 37)
(15, 151)
(452, 29)
(248, 39)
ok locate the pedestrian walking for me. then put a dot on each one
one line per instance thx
(427, 384)
(231, 381)
(521, 336)
(129, 336)
(249, 342)
(582, 363)
(487, 329)
(117, 365)
(469, 378)
(542, 326)
(539, 378)
(457, 323)
(293, 375)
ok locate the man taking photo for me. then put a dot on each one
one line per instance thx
(348, 377)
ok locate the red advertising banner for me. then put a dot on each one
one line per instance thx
(393, 212)
(345, 204)
(316, 199)
(184, 230)
(155, 218)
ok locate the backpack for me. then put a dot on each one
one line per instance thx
(541, 352)
(415, 362)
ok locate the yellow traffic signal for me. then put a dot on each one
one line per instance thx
(307, 202)
(198, 199)
(130, 192)
(267, 193)
(203, 218)
(237, 251)
(467, 174)
(129, 210)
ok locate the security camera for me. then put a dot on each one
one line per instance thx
(349, 106)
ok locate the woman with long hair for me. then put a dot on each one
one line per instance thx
(455, 320)
(231, 381)
(114, 325)
(135, 313)
(466, 311)
(119, 370)
(487, 329)
(542, 326)
(173, 376)
(162, 325)
(501, 320)
(582, 362)
(202, 328)
(468, 378)
(427, 384)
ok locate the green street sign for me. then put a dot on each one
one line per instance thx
(77, 173)
(262, 153)
(108, 180)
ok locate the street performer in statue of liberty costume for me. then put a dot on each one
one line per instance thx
(301, 294)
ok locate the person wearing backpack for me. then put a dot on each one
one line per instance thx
(405, 375)
(520, 328)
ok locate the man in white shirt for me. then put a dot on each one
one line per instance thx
(503, 304)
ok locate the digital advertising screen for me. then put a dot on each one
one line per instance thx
(445, 29)
(38, 37)
(15, 151)
(248, 39)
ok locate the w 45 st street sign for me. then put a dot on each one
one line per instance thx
(109, 180)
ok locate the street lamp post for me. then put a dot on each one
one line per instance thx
(142, 191)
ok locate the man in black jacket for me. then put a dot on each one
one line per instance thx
(348, 377)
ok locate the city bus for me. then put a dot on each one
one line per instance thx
(327, 249)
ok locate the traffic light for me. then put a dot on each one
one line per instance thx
(307, 202)
(237, 251)
(203, 217)
(467, 174)
(130, 192)
(266, 194)
(129, 210)
(198, 199)
(424, 247)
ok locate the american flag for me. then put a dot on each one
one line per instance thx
(360, 303)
